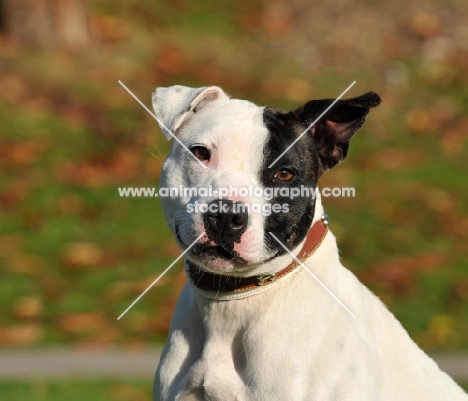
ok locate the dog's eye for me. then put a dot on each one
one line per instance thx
(284, 174)
(201, 153)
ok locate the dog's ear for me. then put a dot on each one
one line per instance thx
(173, 105)
(333, 132)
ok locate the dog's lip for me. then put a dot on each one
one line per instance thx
(217, 252)
(220, 251)
(244, 265)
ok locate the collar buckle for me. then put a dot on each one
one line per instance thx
(265, 279)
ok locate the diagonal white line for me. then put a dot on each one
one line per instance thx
(314, 276)
(162, 274)
(160, 123)
(311, 125)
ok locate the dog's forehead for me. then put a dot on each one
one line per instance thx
(229, 122)
(232, 113)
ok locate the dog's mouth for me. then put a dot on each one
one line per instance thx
(220, 257)
(209, 251)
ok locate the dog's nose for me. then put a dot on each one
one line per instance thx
(226, 220)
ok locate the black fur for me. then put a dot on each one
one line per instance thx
(322, 147)
(284, 127)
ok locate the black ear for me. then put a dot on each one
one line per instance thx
(334, 130)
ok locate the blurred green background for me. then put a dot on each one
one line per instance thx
(73, 255)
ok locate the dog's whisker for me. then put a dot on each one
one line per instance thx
(270, 244)
(157, 157)
(159, 150)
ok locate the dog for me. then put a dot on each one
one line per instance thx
(269, 313)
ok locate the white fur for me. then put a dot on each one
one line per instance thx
(292, 341)
(233, 129)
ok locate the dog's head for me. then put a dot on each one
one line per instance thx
(224, 181)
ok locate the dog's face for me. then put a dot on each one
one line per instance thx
(232, 197)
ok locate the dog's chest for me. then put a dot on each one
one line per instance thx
(248, 344)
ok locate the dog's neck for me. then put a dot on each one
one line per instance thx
(224, 287)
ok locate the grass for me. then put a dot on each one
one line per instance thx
(76, 390)
(95, 390)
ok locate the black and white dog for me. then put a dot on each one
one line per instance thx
(252, 323)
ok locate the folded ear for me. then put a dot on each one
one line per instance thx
(333, 132)
(173, 105)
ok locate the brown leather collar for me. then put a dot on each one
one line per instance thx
(221, 283)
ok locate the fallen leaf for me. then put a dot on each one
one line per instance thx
(80, 322)
(424, 24)
(78, 255)
(419, 120)
(28, 307)
(440, 201)
(25, 334)
(20, 154)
